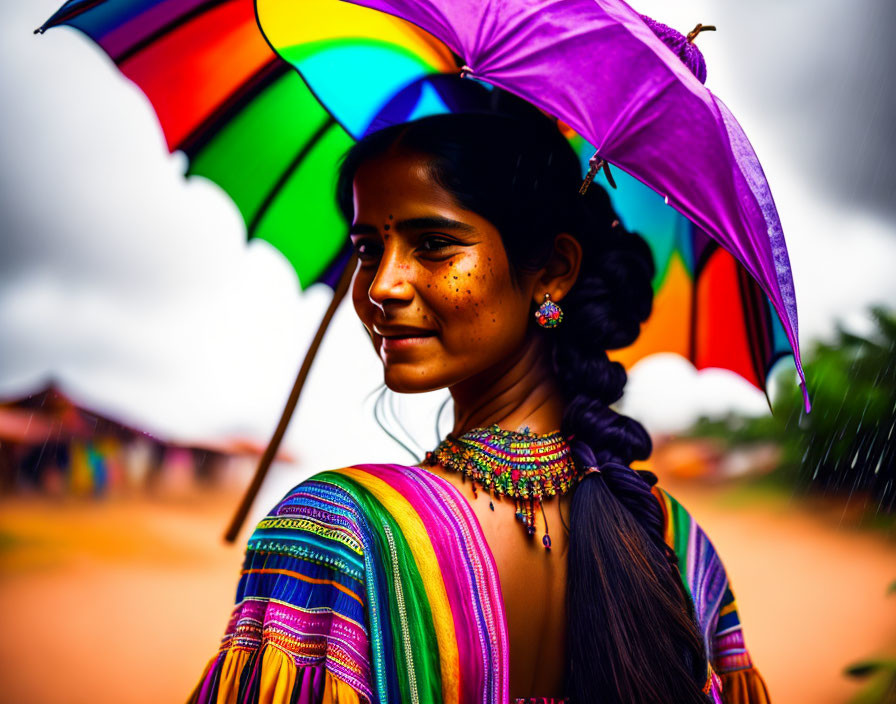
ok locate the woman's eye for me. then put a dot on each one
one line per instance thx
(366, 249)
(435, 244)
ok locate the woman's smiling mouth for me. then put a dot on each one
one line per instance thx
(403, 337)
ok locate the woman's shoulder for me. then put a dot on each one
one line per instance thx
(356, 554)
(338, 481)
(317, 505)
(384, 481)
(715, 605)
(682, 529)
(699, 563)
(329, 508)
(697, 555)
(301, 622)
(348, 503)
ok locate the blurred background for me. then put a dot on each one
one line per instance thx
(146, 352)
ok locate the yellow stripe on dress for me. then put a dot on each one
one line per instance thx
(427, 563)
(278, 676)
(338, 692)
(729, 608)
(235, 660)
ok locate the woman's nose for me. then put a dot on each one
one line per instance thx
(392, 283)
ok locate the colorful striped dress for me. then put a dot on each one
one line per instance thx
(374, 583)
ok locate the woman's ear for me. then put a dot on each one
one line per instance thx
(562, 269)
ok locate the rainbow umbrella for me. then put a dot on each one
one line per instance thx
(265, 96)
(706, 307)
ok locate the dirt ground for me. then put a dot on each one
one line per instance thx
(124, 600)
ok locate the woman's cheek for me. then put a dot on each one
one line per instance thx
(476, 296)
(457, 291)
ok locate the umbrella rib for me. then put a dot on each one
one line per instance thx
(287, 173)
(699, 263)
(692, 324)
(753, 315)
(263, 78)
(711, 246)
(308, 85)
(63, 15)
(439, 47)
(174, 24)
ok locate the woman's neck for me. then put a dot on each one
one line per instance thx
(520, 391)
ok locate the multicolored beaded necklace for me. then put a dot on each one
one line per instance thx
(522, 465)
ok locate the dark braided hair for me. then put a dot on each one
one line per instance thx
(616, 522)
(631, 632)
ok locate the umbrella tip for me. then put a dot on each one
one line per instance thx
(683, 46)
(692, 35)
(806, 403)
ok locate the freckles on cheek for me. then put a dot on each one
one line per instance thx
(474, 292)
(497, 301)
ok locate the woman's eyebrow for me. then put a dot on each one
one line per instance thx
(430, 222)
(433, 222)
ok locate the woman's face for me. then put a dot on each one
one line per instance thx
(432, 285)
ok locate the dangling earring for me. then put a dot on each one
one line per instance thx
(548, 314)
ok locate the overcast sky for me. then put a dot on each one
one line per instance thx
(136, 290)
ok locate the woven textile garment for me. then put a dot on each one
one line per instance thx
(374, 583)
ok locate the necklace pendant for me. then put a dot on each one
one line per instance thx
(522, 465)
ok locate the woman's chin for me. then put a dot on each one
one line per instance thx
(407, 379)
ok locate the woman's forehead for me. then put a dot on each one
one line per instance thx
(399, 182)
(398, 194)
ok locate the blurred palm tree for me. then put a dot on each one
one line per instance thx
(847, 443)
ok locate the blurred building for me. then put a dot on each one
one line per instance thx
(51, 444)
(709, 459)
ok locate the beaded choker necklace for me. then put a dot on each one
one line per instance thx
(522, 465)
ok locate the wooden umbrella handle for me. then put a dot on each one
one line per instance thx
(270, 452)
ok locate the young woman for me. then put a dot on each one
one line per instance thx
(523, 559)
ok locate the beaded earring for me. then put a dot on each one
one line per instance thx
(548, 314)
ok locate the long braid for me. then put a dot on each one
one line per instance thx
(602, 318)
(616, 540)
